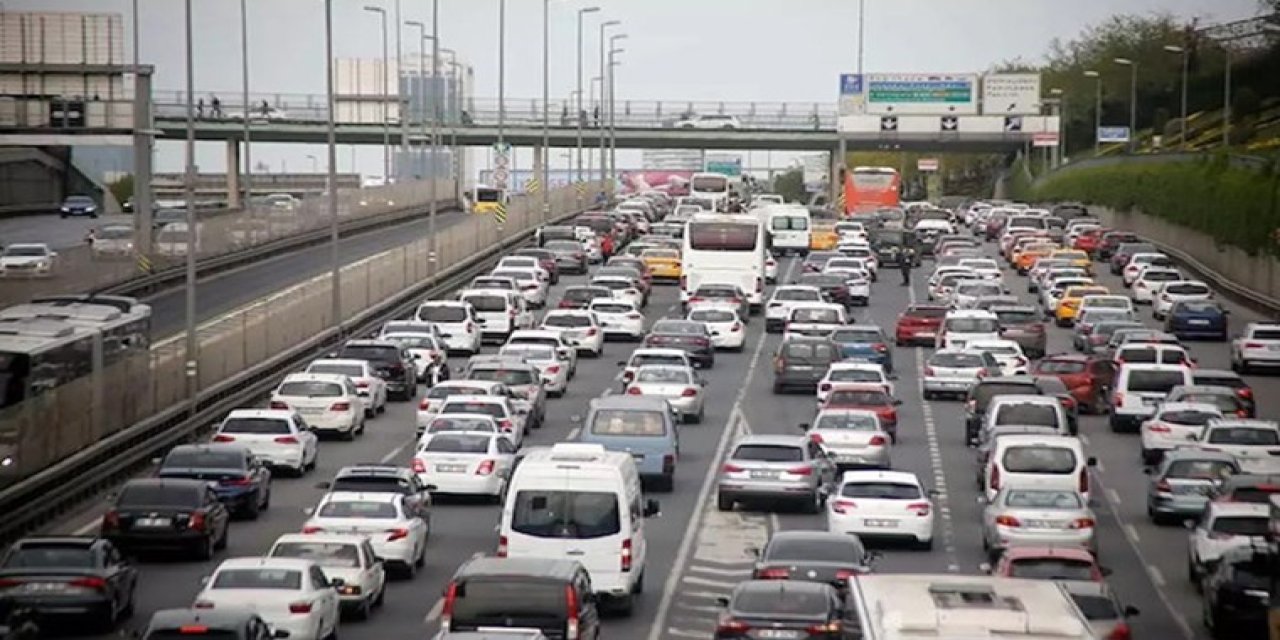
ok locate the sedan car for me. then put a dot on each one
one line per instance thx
(27, 260)
(1029, 516)
(691, 337)
(279, 438)
(775, 468)
(465, 462)
(851, 437)
(80, 578)
(237, 477)
(681, 387)
(955, 371)
(1023, 325)
(919, 324)
(618, 318)
(328, 402)
(371, 388)
(1184, 482)
(347, 556)
(580, 328)
(812, 556)
(396, 530)
(728, 332)
(1049, 563)
(1006, 352)
(78, 206)
(291, 594)
(720, 296)
(882, 504)
(1222, 527)
(168, 514)
(225, 624)
(778, 308)
(791, 609)
(1200, 319)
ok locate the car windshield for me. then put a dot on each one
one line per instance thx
(256, 426)
(841, 421)
(457, 443)
(257, 579)
(1243, 436)
(768, 453)
(36, 556)
(1027, 414)
(310, 389)
(509, 377)
(565, 514)
(203, 459)
(881, 491)
(1037, 499)
(1241, 525)
(1039, 459)
(801, 550)
(859, 397)
(956, 361)
(1051, 569)
(442, 314)
(358, 509)
(325, 554)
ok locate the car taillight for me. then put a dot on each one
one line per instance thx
(1245, 393)
(995, 478)
(506, 425)
(399, 533)
(340, 406)
(759, 285)
(555, 368)
(362, 384)
(276, 404)
(1159, 427)
(800, 471)
(843, 506)
(89, 583)
(737, 326)
(485, 468)
(223, 438)
(877, 441)
(571, 613)
(684, 282)
(626, 555)
(634, 316)
(1082, 523)
(695, 299)
(202, 604)
(1084, 481)
(825, 628)
(634, 391)
(196, 522)
(731, 626)
(1117, 399)
(1253, 345)
(503, 546)
(6, 583)
(313, 529)
(111, 520)
(299, 607)
(592, 331)
(689, 392)
(1008, 521)
(239, 482)
(921, 509)
(418, 466)
(928, 371)
(286, 440)
(731, 468)
(774, 573)
(1120, 632)
(1163, 486)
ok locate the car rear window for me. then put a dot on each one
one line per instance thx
(1027, 414)
(809, 351)
(801, 550)
(567, 320)
(371, 484)
(442, 314)
(1214, 470)
(881, 490)
(1007, 318)
(802, 294)
(1060, 366)
(64, 556)
(768, 453)
(628, 422)
(972, 325)
(154, 495)
(712, 315)
(461, 423)
(847, 336)
(457, 443)
(985, 392)
(263, 426)
(926, 312)
(956, 360)
(495, 600)
(806, 315)
(310, 389)
(358, 509)
(1038, 499)
(859, 397)
(1240, 525)
(1039, 459)
(855, 375)
(349, 370)
(1149, 381)
(1051, 569)
(848, 421)
(325, 554)
(204, 459)
(258, 579)
(566, 514)
(1243, 436)
(1188, 417)
(792, 602)
(370, 352)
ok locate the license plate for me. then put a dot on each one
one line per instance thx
(764, 474)
(451, 468)
(1274, 347)
(880, 524)
(778, 633)
(154, 522)
(310, 412)
(1198, 322)
(801, 367)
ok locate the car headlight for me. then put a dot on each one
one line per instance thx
(66, 209)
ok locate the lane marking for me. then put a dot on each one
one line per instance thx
(656, 632)
(708, 582)
(434, 613)
(1113, 496)
(573, 434)
(1156, 576)
(394, 452)
(88, 527)
(1131, 532)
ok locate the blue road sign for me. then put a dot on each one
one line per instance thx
(1113, 134)
(850, 84)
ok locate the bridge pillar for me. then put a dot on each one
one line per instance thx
(143, 141)
(233, 173)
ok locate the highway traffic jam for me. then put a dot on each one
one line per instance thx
(1046, 428)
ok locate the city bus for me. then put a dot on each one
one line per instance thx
(485, 199)
(711, 186)
(725, 249)
(867, 189)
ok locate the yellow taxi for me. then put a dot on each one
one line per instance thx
(1078, 258)
(823, 237)
(663, 263)
(1069, 305)
(1025, 257)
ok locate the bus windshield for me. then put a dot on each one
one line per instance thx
(710, 183)
(488, 195)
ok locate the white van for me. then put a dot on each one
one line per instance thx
(790, 229)
(1139, 388)
(1038, 461)
(576, 501)
(962, 326)
(499, 312)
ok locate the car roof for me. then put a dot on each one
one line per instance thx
(514, 567)
(323, 538)
(297, 564)
(1239, 509)
(65, 541)
(628, 402)
(222, 617)
(315, 377)
(277, 414)
(373, 470)
(767, 439)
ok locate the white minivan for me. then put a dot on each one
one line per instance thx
(498, 312)
(1038, 461)
(1141, 387)
(962, 326)
(789, 228)
(457, 321)
(577, 501)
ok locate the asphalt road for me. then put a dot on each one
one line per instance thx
(697, 553)
(223, 292)
(57, 232)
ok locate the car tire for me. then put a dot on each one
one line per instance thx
(697, 417)
(723, 502)
(813, 503)
(364, 611)
(253, 509)
(929, 395)
(1193, 575)
(1117, 425)
(382, 596)
(350, 435)
(623, 606)
(204, 548)
(925, 545)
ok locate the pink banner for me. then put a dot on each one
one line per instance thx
(673, 182)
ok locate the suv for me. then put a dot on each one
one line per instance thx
(224, 624)
(390, 361)
(985, 391)
(381, 478)
(802, 362)
(550, 595)
(1257, 346)
(1087, 377)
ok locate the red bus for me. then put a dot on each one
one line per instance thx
(867, 189)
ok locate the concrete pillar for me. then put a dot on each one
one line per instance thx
(233, 173)
(538, 173)
(142, 160)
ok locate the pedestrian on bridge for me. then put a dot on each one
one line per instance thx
(217, 107)
(200, 109)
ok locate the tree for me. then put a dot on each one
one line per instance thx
(790, 186)
(122, 188)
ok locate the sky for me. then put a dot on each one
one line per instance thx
(677, 50)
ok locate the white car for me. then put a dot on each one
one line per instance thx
(651, 355)
(727, 330)
(279, 438)
(430, 355)
(1013, 362)
(859, 285)
(500, 408)
(623, 288)
(552, 367)
(1149, 280)
(289, 594)
(465, 462)
(778, 309)
(372, 389)
(396, 528)
(815, 319)
(1254, 443)
(1176, 291)
(524, 263)
(862, 372)
(457, 322)
(1174, 425)
(986, 268)
(1138, 262)
(709, 121)
(327, 401)
(770, 269)
(619, 318)
(1258, 345)
(435, 397)
(346, 556)
(955, 371)
(577, 327)
(529, 283)
(967, 292)
(565, 351)
(113, 241)
(882, 504)
(852, 437)
(27, 260)
(1224, 526)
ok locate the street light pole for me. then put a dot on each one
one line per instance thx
(1097, 109)
(545, 157)
(502, 73)
(247, 201)
(1060, 151)
(433, 189)
(422, 85)
(603, 99)
(335, 264)
(613, 109)
(192, 344)
(402, 106)
(386, 92)
(580, 115)
(1133, 100)
(1186, 58)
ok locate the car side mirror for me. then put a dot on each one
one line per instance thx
(337, 582)
(804, 426)
(1131, 611)
(1091, 461)
(897, 402)
(1105, 571)
(722, 601)
(204, 580)
(1189, 524)
(622, 363)
(652, 508)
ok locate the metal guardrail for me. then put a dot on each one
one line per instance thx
(57, 489)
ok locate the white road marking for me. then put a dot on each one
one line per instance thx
(708, 582)
(1156, 576)
(686, 633)
(573, 434)
(1113, 496)
(393, 453)
(702, 568)
(690, 533)
(943, 499)
(1132, 532)
(87, 527)
(434, 613)
(1083, 439)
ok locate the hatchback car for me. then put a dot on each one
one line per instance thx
(882, 505)
(791, 609)
(1030, 516)
(853, 438)
(727, 328)
(1174, 425)
(1184, 482)
(681, 387)
(955, 371)
(791, 469)
(278, 438)
(1224, 526)
(865, 342)
(919, 324)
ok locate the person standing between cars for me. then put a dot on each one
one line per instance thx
(904, 263)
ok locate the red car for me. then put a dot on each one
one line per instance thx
(871, 397)
(1089, 241)
(1087, 377)
(920, 324)
(1049, 563)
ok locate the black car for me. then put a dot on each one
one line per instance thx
(219, 624)
(546, 260)
(833, 286)
(891, 247)
(1236, 594)
(581, 297)
(788, 609)
(390, 361)
(54, 577)
(691, 337)
(241, 480)
(553, 596)
(167, 513)
(816, 261)
(78, 206)
(383, 478)
(802, 362)
(813, 556)
(980, 396)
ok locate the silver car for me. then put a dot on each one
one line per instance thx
(953, 371)
(853, 438)
(967, 292)
(776, 468)
(1041, 517)
(1183, 483)
(1100, 606)
(681, 387)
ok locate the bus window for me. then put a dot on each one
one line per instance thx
(722, 236)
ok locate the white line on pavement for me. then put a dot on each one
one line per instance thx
(393, 453)
(434, 613)
(573, 434)
(943, 498)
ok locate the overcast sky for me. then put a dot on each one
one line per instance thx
(680, 50)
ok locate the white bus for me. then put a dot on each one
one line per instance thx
(711, 186)
(725, 249)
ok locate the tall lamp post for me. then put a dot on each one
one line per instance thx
(386, 92)
(613, 108)
(1097, 109)
(603, 97)
(247, 200)
(544, 157)
(579, 115)
(433, 190)
(1186, 59)
(1060, 150)
(335, 264)
(1133, 100)
(192, 344)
